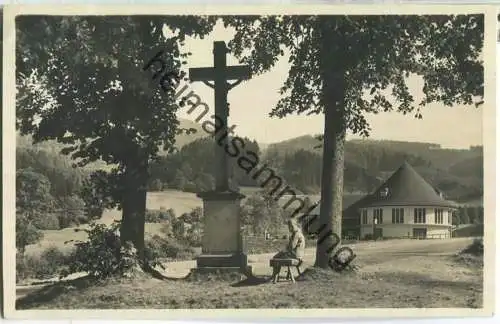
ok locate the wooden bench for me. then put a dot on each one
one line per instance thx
(278, 263)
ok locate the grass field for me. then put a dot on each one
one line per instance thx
(469, 230)
(410, 273)
(180, 202)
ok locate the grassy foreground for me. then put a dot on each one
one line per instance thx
(400, 281)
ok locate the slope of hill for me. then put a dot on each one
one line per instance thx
(469, 167)
(305, 142)
(52, 146)
(461, 159)
(458, 172)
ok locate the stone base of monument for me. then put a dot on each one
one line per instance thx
(222, 250)
(233, 260)
(231, 274)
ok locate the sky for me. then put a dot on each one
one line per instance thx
(252, 100)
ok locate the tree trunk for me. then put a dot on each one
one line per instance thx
(332, 174)
(332, 187)
(134, 207)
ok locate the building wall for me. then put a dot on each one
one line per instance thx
(405, 229)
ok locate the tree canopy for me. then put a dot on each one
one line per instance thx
(82, 78)
(82, 81)
(378, 55)
(348, 66)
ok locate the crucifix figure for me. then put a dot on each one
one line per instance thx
(220, 74)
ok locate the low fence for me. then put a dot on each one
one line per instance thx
(261, 240)
(413, 237)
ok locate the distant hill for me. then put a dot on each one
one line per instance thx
(458, 161)
(441, 158)
(305, 142)
(457, 172)
(469, 167)
(53, 146)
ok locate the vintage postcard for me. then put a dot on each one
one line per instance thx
(187, 162)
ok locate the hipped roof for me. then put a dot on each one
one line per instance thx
(406, 188)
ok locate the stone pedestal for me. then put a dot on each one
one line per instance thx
(222, 242)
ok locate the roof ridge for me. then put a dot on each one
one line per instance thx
(406, 186)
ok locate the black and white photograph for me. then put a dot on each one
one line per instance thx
(254, 160)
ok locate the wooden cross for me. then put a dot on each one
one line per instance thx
(220, 74)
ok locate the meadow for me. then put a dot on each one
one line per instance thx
(181, 202)
(412, 273)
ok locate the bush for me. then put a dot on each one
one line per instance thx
(159, 216)
(26, 232)
(169, 248)
(73, 211)
(194, 235)
(190, 186)
(153, 216)
(45, 266)
(103, 255)
(22, 270)
(47, 221)
(156, 185)
(476, 248)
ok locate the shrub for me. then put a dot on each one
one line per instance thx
(23, 271)
(159, 216)
(26, 233)
(152, 216)
(103, 255)
(73, 211)
(45, 266)
(51, 261)
(47, 221)
(190, 186)
(179, 229)
(194, 234)
(169, 248)
(156, 185)
(475, 248)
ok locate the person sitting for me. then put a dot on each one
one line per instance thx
(294, 250)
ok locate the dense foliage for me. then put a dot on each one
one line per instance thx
(456, 172)
(103, 254)
(348, 66)
(261, 214)
(49, 194)
(83, 79)
(191, 168)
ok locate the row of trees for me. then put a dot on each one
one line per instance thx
(341, 66)
(469, 215)
(64, 179)
(191, 168)
(50, 195)
(38, 209)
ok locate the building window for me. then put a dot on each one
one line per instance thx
(419, 215)
(364, 214)
(450, 216)
(438, 216)
(398, 215)
(378, 215)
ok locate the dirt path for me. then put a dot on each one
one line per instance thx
(369, 255)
